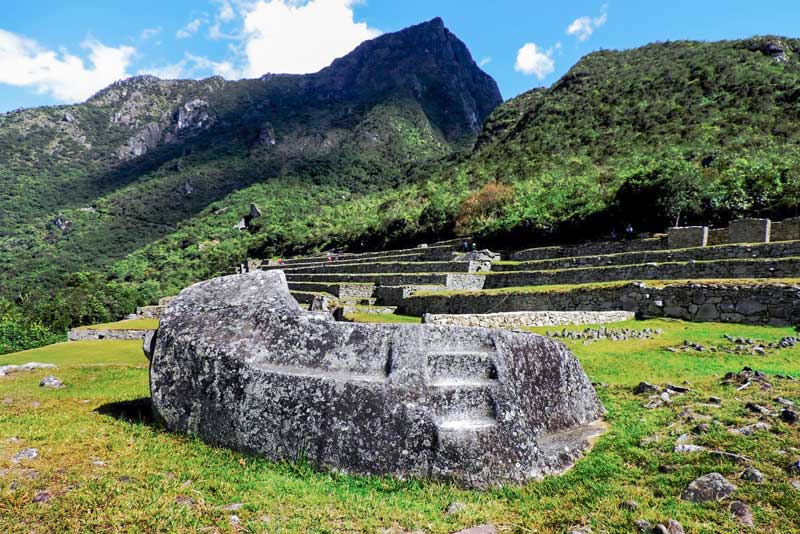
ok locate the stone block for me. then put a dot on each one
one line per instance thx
(237, 363)
(687, 237)
(749, 231)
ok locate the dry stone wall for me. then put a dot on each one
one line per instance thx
(721, 252)
(590, 249)
(749, 231)
(781, 268)
(81, 334)
(760, 304)
(524, 319)
(687, 237)
(786, 230)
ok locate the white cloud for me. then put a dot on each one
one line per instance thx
(190, 29)
(584, 27)
(485, 61)
(24, 63)
(533, 60)
(226, 12)
(287, 36)
(149, 33)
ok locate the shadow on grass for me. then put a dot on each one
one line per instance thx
(136, 411)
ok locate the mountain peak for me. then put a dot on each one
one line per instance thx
(428, 63)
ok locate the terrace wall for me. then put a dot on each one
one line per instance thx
(775, 305)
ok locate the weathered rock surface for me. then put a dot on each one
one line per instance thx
(30, 366)
(238, 363)
(710, 487)
(52, 382)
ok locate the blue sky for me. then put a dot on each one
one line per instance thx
(54, 52)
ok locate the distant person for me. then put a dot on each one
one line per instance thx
(614, 234)
(465, 246)
(629, 231)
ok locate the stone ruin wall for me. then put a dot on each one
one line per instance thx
(524, 319)
(774, 305)
(740, 231)
(749, 231)
(687, 237)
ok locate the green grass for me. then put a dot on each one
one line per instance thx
(382, 318)
(130, 324)
(97, 417)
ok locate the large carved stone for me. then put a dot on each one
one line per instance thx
(236, 362)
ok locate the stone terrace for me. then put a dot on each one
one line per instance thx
(735, 274)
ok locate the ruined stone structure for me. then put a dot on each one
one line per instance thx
(237, 363)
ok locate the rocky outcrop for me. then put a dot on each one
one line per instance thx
(237, 363)
(138, 145)
(193, 114)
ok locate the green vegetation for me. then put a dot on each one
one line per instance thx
(362, 317)
(106, 464)
(686, 132)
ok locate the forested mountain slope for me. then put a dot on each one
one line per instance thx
(82, 186)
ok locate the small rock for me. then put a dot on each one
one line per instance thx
(795, 484)
(629, 505)
(785, 402)
(52, 382)
(660, 529)
(674, 527)
(26, 454)
(752, 474)
(644, 387)
(702, 428)
(455, 508)
(678, 389)
(668, 468)
(689, 448)
(756, 408)
(715, 400)
(479, 529)
(580, 530)
(184, 500)
(794, 468)
(788, 416)
(749, 430)
(234, 520)
(742, 512)
(643, 527)
(8, 400)
(233, 507)
(41, 497)
(710, 487)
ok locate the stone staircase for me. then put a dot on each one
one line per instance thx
(462, 386)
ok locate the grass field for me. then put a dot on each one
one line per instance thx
(129, 324)
(107, 466)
